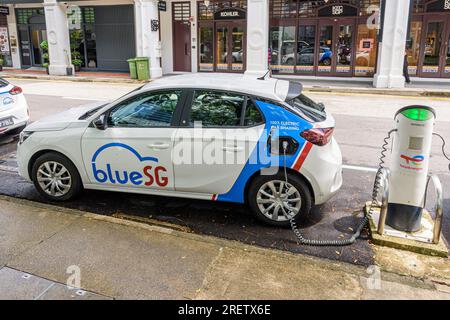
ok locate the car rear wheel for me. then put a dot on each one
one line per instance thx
(275, 202)
(55, 177)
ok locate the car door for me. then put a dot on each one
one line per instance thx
(135, 147)
(222, 129)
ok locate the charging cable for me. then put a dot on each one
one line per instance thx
(339, 243)
(443, 148)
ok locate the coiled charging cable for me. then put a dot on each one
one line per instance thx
(374, 203)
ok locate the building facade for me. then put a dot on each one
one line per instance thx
(357, 39)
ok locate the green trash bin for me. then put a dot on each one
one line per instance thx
(133, 70)
(143, 70)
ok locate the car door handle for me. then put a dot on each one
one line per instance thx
(159, 146)
(232, 149)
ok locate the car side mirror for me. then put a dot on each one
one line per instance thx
(100, 122)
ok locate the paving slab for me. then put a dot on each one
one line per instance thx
(22, 229)
(122, 262)
(16, 285)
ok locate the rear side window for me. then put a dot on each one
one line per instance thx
(223, 109)
(216, 109)
(312, 110)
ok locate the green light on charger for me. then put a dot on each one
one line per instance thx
(418, 114)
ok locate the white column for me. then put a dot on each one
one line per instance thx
(12, 29)
(257, 36)
(392, 48)
(58, 38)
(147, 41)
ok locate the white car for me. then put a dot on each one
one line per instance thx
(14, 114)
(219, 137)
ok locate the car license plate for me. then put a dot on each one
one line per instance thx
(6, 122)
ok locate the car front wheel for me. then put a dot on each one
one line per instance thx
(55, 177)
(275, 202)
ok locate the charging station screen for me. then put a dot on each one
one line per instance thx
(415, 143)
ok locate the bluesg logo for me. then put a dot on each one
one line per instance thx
(148, 176)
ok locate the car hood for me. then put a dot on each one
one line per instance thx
(62, 120)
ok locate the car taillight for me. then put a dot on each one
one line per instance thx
(15, 90)
(318, 136)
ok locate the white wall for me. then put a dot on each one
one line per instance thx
(12, 31)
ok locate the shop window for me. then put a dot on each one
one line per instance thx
(366, 51)
(306, 49)
(282, 49)
(82, 36)
(206, 48)
(22, 15)
(413, 46)
(283, 8)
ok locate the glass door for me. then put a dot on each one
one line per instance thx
(435, 51)
(38, 34)
(344, 48)
(325, 55)
(222, 40)
(335, 48)
(446, 57)
(230, 47)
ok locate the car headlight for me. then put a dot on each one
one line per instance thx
(24, 135)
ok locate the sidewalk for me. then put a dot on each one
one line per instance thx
(122, 259)
(81, 76)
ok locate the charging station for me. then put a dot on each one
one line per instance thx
(409, 167)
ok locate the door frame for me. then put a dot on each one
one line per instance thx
(335, 22)
(445, 34)
(33, 27)
(230, 24)
(173, 35)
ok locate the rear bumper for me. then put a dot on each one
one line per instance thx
(323, 169)
(19, 113)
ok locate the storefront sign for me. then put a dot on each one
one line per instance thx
(439, 6)
(338, 11)
(4, 42)
(4, 10)
(229, 14)
(162, 5)
(154, 25)
(366, 45)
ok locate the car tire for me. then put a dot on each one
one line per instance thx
(54, 168)
(257, 200)
(326, 62)
(290, 62)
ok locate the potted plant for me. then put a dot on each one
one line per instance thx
(77, 64)
(45, 55)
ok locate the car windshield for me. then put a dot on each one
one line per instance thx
(314, 111)
(91, 112)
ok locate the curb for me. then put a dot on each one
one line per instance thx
(374, 91)
(71, 79)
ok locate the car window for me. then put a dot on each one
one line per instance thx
(313, 110)
(153, 109)
(3, 83)
(252, 115)
(216, 109)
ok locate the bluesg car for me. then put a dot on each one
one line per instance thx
(14, 113)
(219, 137)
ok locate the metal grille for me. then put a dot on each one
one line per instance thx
(308, 8)
(181, 11)
(207, 13)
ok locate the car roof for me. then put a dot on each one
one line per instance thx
(270, 88)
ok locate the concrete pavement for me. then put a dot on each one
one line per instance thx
(41, 245)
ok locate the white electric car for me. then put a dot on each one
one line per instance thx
(14, 113)
(219, 137)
